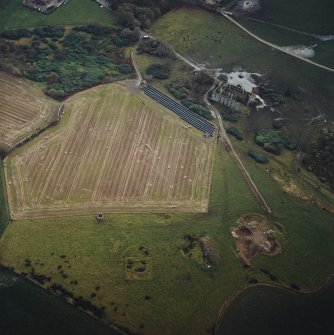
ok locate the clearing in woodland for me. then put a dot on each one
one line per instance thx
(23, 109)
(115, 150)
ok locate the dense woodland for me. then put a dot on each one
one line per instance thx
(141, 13)
(67, 61)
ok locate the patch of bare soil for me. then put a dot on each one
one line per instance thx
(289, 186)
(255, 235)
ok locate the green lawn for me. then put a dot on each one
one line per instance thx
(75, 12)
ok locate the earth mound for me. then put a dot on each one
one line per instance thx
(256, 235)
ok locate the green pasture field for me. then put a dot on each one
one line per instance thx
(28, 309)
(183, 297)
(324, 50)
(210, 39)
(74, 12)
(313, 16)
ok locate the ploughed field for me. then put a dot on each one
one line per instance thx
(114, 150)
(23, 109)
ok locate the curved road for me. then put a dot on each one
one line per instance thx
(274, 46)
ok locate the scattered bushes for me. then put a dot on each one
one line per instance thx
(77, 61)
(234, 131)
(198, 109)
(155, 48)
(275, 149)
(273, 141)
(124, 68)
(276, 99)
(86, 305)
(138, 13)
(49, 31)
(258, 157)
(178, 89)
(230, 117)
(158, 71)
(15, 34)
(295, 286)
(204, 78)
(94, 29)
(321, 159)
(277, 124)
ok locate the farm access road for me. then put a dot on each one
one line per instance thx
(225, 141)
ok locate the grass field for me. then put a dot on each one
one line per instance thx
(282, 37)
(75, 12)
(179, 295)
(23, 109)
(312, 16)
(182, 297)
(44, 314)
(212, 40)
(115, 150)
(289, 313)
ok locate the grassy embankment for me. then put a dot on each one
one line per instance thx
(282, 37)
(75, 12)
(4, 211)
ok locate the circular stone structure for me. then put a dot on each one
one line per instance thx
(100, 217)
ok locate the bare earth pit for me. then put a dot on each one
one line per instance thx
(255, 235)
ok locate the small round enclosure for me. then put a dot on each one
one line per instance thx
(100, 217)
